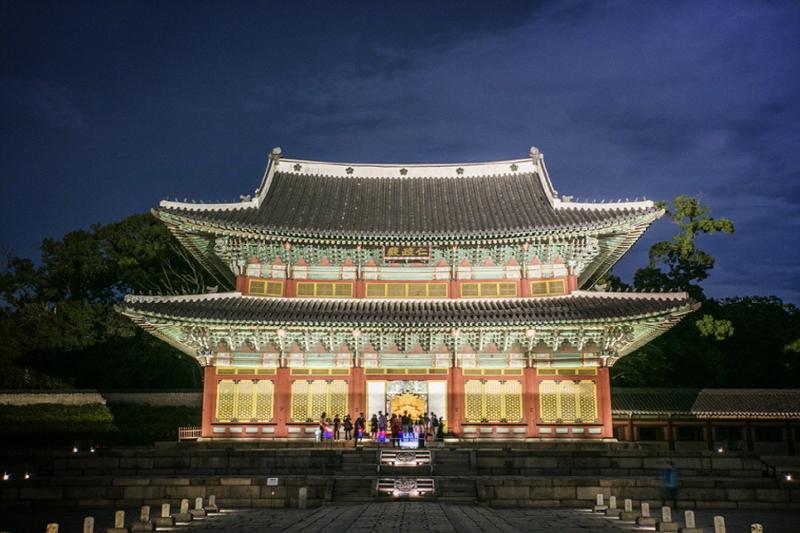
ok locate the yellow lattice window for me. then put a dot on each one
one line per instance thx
(548, 287)
(263, 405)
(568, 401)
(311, 398)
(473, 400)
(324, 289)
(587, 400)
(492, 400)
(244, 400)
(265, 288)
(489, 290)
(225, 396)
(406, 290)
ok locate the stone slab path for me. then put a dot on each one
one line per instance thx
(444, 518)
(434, 517)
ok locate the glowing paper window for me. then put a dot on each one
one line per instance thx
(568, 401)
(492, 401)
(244, 400)
(548, 287)
(311, 398)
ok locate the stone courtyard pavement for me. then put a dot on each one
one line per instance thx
(445, 518)
(401, 516)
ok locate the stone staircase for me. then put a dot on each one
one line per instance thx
(550, 476)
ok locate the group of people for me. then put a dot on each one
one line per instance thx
(396, 428)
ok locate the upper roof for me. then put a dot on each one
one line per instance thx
(302, 198)
(711, 403)
(580, 306)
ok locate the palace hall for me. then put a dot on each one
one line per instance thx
(465, 290)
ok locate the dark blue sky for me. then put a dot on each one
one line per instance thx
(109, 107)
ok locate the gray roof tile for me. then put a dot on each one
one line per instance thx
(353, 206)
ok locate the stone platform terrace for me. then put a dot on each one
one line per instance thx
(544, 475)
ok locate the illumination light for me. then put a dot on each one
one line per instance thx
(74, 449)
(720, 449)
(6, 476)
(27, 476)
(91, 450)
(788, 476)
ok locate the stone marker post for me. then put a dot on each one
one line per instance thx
(52, 528)
(612, 507)
(183, 515)
(691, 526)
(302, 498)
(756, 528)
(666, 523)
(144, 523)
(88, 524)
(719, 524)
(165, 520)
(599, 505)
(119, 523)
(198, 511)
(628, 515)
(211, 507)
(646, 519)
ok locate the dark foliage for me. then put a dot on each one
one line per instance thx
(58, 321)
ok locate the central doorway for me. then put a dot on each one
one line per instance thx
(407, 396)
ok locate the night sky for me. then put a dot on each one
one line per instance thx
(109, 107)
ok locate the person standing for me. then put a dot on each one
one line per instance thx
(671, 483)
(373, 427)
(337, 422)
(359, 428)
(381, 427)
(348, 427)
(396, 428)
(434, 423)
(321, 424)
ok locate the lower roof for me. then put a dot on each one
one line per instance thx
(580, 306)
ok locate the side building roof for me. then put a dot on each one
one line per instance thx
(706, 403)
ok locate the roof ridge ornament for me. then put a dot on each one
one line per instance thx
(275, 154)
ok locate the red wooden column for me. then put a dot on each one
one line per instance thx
(209, 400)
(604, 401)
(530, 400)
(241, 284)
(455, 404)
(357, 393)
(283, 401)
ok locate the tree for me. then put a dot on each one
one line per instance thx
(678, 264)
(59, 313)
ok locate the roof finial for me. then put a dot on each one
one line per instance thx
(275, 154)
(535, 153)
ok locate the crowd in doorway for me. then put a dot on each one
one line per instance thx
(382, 429)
